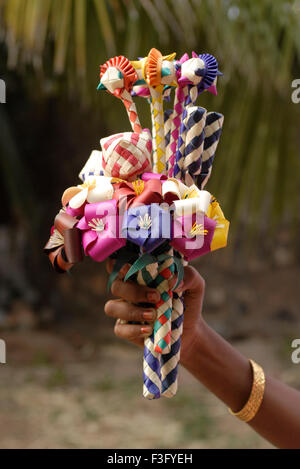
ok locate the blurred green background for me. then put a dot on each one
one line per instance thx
(61, 348)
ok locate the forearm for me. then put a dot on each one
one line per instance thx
(227, 373)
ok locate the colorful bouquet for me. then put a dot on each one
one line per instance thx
(142, 199)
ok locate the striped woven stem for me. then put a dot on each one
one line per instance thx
(161, 370)
(194, 143)
(162, 325)
(168, 116)
(131, 111)
(153, 133)
(159, 157)
(192, 95)
(191, 99)
(157, 276)
(179, 155)
(180, 97)
(170, 361)
(152, 387)
(212, 131)
(151, 362)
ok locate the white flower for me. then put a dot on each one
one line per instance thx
(94, 189)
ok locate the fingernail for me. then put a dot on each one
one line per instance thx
(153, 297)
(124, 269)
(146, 330)
(149, 315)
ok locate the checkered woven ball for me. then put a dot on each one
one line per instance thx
(126, 155)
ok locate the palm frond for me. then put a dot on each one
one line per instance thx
(258, 47)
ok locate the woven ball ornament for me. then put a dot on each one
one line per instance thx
(126, 155)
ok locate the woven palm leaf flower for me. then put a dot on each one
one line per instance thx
(100, 230)
(148, 226)
(94, 189)
(193, 235)
(64, 245)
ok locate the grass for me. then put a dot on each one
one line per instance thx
(55, 414)
(285, 349)
(41, 358)
(194, 415)
(57, 378)
(128, 386)
(106, 384)
(91, 415)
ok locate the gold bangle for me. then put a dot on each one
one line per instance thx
(253, 404)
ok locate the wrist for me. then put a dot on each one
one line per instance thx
(195, 343)
(216, 364)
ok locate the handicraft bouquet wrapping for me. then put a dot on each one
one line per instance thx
(142, 199)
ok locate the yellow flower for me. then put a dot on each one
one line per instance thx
(221, 232)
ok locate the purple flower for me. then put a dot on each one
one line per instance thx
(148, 226)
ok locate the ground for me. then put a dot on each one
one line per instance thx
(53, 395)
(69, 383)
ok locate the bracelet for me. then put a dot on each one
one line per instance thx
(253, 404)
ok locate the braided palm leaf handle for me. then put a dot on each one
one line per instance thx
(162, 348)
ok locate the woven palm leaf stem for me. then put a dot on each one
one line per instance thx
(130, 254)
(151, 371)
(170, 361)
(162, 325)
(179, 156)
(131, 111)
(151, 360)
(168, 117)
(191, 98)
(212, 131)
(194, 143)
(161, 370)
(153, 133)
(192, 95)
(157, 275)
(159, 278)
(179, 100)
(157, 113)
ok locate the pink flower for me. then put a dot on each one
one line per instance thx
(100, 227)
